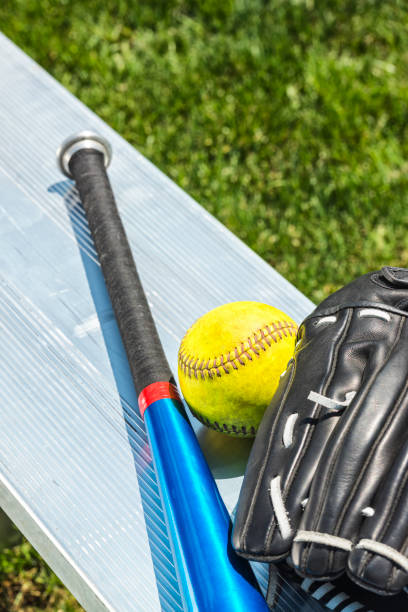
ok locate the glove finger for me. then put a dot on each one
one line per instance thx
(359, 350)
(355, 460)
(289, 442)
(379, 560)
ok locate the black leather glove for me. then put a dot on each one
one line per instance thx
(327, 478)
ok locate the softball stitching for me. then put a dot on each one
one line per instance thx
(192, 365)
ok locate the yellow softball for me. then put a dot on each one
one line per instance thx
(230, 361)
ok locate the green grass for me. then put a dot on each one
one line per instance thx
(286, 119)
(27, 583)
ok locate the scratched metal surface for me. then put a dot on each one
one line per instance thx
(75, 470)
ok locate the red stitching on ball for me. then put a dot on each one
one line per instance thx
(217, 366)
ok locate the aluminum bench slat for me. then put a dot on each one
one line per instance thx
(75, 471)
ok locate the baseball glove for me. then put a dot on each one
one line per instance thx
(327, 479)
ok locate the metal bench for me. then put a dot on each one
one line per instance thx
(75, 471)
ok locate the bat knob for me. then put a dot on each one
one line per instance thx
(79, 141)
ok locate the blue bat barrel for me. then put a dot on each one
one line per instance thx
(212, 577)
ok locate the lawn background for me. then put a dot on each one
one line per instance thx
(286, 119)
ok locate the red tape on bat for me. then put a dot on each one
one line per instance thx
(154, 392)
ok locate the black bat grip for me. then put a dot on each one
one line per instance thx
(144, 350)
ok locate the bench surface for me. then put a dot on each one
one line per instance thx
(75, 470)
